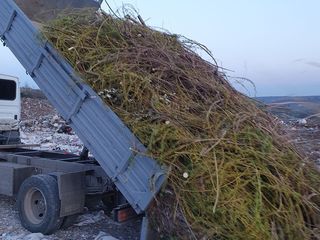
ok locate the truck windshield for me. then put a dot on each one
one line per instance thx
(8, 90)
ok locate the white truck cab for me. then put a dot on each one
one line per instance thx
(10, 109)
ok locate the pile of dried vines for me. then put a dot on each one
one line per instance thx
(232, 175)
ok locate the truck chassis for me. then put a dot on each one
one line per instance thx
(73, 177)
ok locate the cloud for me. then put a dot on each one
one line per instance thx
(298, 60)
(313, 64)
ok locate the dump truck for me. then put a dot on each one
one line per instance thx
(52, 186)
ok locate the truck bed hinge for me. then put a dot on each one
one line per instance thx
(9, 24)
(37, 64)
(76, 107)
(124, 166)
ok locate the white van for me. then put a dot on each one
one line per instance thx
(10, 109)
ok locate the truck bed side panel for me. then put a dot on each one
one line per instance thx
(114, 146)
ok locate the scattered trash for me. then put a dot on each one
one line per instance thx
(90, 218)
(302, 121)
(65, 129)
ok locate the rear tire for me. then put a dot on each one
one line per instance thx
(39, 204)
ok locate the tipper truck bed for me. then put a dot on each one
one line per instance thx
(119, 153)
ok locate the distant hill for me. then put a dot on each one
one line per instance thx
(268, 100)
(292, 107)
(32, 93)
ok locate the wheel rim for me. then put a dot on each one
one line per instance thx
(35, 206)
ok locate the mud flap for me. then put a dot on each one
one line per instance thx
(71, 192)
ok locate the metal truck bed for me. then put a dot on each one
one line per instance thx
(114, 146)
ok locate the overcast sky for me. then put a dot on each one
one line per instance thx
(274, 43)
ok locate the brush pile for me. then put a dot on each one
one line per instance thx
(232, 176)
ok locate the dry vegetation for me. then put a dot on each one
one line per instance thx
(232, 176)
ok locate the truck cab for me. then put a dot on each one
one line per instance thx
(10, 110)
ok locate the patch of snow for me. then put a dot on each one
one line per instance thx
(302, 121)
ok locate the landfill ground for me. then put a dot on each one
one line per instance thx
(41, 124)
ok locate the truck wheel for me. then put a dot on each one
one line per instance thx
(39, 204)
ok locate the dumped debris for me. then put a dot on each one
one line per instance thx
(35, 108)
(232, 176)
(47, 131)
